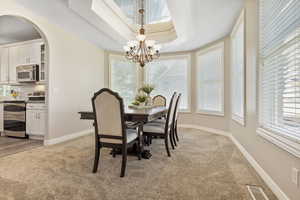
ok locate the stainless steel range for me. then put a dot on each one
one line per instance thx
(15, 119)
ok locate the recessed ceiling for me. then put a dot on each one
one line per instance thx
(16, 29)
(197, 22)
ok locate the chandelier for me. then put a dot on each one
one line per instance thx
(142, 51)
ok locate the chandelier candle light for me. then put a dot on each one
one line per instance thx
(142, 51)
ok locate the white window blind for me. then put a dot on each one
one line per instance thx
(168, 75)
(280, 67)
(238, 71)
(123, 78)
(210, 80)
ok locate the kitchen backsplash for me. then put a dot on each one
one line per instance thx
(22, 90)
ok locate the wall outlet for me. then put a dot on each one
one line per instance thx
(295, 176)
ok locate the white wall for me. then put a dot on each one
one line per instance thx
(204, 120)
(75, 73)
(275, 161)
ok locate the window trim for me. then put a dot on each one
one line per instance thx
(189, 84)
(239, 119)
(201, 52)
(291, 145)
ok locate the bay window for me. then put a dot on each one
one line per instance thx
(167, 74)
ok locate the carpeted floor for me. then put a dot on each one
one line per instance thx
(10, 145)
(203, 167)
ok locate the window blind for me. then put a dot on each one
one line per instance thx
(170, 74)
(210, 80)
(123, 78)
(279, 101)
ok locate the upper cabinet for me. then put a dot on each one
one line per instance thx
(32, 52)
(4, 64)
(43, 63)
(14, 60)
(29, 53)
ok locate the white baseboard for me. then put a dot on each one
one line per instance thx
(206, 129)
(68, 137)
(263, 174)
(36, 137)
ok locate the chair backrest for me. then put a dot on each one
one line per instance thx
(169, 119)
(177, 104)
(159, 100)
(109, 111)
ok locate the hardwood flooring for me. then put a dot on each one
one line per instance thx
(10, 145)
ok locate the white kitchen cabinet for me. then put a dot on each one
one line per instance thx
(35, 120)
(42, 71)
(14, 60)
(4, 64)
(17, 54)
(29, 53)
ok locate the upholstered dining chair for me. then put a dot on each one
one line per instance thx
(160, 130)
(110, 126)
(174, 131)
(159, 100)
(174, 134)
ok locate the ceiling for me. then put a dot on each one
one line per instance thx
(15, 29)
(197, 22)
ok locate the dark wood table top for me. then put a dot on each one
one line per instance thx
(132, 114)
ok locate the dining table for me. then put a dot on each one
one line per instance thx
(142, 115)
(134, 115)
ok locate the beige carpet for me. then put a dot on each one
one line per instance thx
(9, 145)
(203, 167)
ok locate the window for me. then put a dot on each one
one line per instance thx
(238, 72)
(170, 74)
(210, 80)
(279, 98)
(156, 10)
(123, 78)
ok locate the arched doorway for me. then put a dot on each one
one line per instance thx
(24, 61)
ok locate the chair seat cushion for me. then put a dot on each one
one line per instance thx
(161, 121)
(131, 135)
(154, 128)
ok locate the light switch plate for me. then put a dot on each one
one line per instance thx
(295, 176)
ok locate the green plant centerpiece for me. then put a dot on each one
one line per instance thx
(147, 89)
(140, 99)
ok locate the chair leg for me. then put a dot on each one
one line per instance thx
(97, 156)
(173, 137)
(114, 152)
(167, 146)
(171, 140)
(176, 134)
(139, 148)
(124, 160)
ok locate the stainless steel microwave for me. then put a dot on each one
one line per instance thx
(28, 73)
